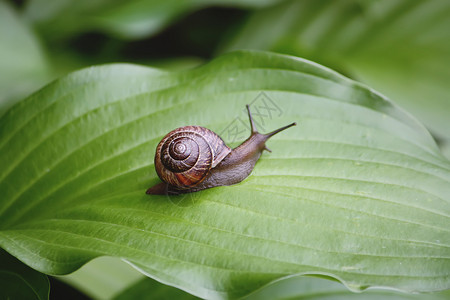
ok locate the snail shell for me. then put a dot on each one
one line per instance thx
(186, 155)
(193, 158)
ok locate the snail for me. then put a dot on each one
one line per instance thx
(194, 158)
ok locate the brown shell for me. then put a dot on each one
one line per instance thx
(185, 155)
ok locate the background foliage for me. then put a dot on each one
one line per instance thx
(401, 48)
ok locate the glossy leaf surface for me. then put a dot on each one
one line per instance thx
(357, 191)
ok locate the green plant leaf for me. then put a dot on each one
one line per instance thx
(150, 289)
(103, 277)
(126, 19)
(358, 191)
(313, 288)
(23, 67)
(399, 47)
(297, 287)
(18, 281)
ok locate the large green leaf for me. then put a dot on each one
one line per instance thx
(313, 288)
(358, 191)
(399, 47)
(148, 289)
(297, 287)
(103, 277)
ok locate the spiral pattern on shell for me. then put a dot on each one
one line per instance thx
(185, 155)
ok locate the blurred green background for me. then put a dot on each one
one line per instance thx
(398, 47)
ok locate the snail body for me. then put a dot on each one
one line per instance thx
(194, 158)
